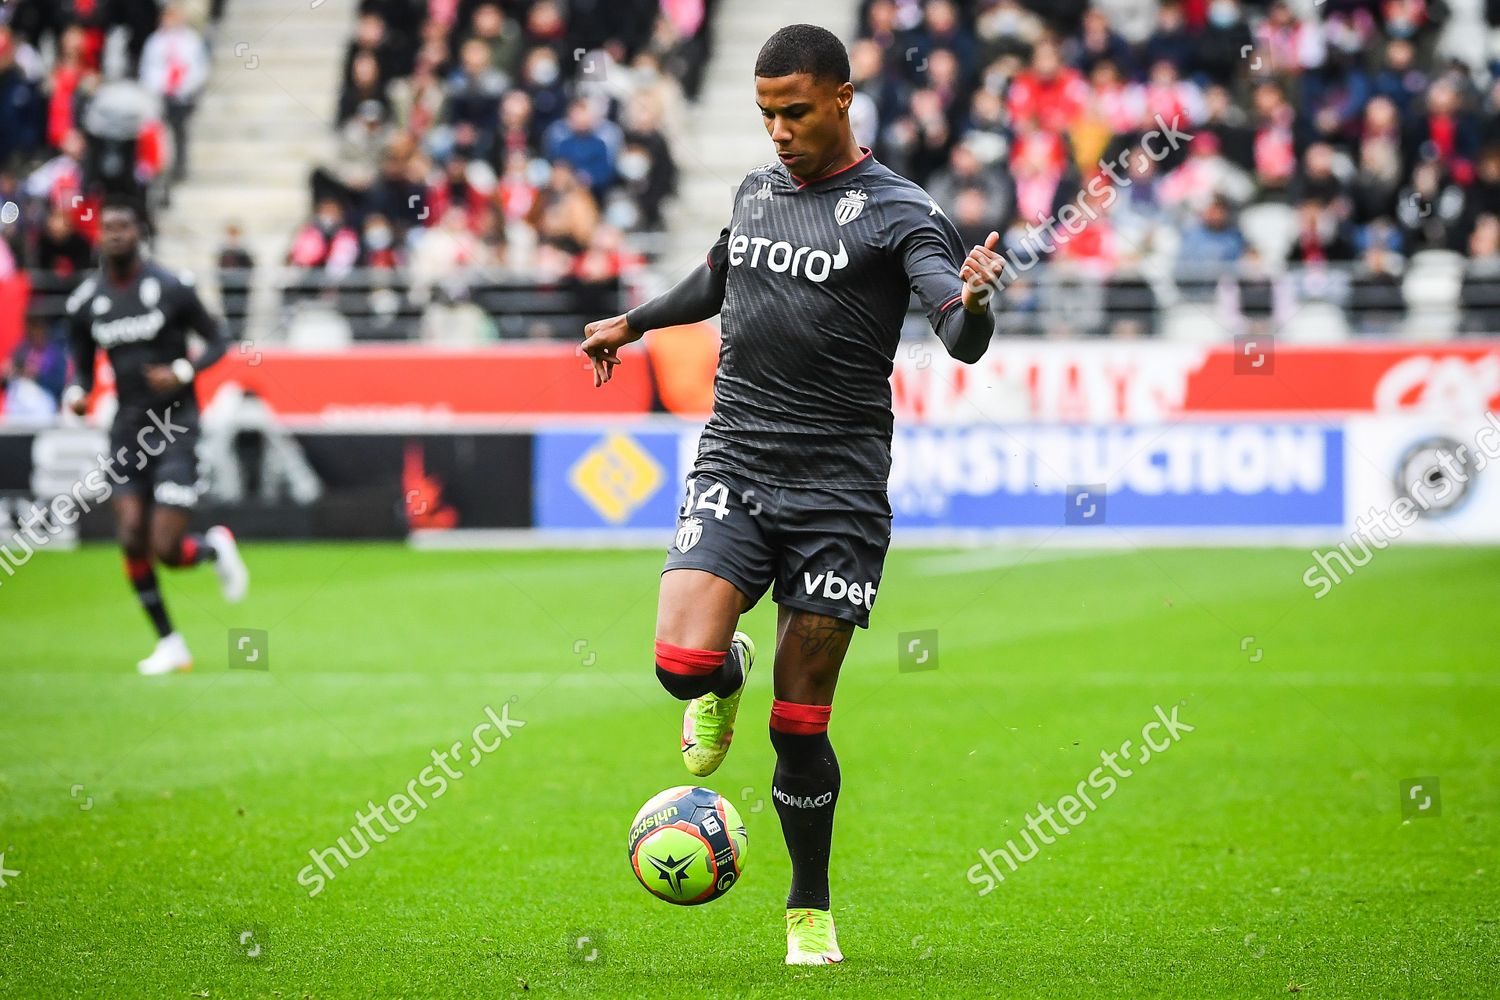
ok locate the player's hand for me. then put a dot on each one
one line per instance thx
(602, 341)
(983, 274)
(79, 406)
(161, 378)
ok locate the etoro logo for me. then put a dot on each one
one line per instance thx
(836, 588)
(128, 329)
(781, 257)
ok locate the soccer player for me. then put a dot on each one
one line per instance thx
(811, 279)
(140, 314)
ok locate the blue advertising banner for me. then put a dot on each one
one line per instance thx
(1177, 475)
(607, 478)
(1186, 475)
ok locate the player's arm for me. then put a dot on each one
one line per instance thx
(695, 298)
(81, 346)
(955, 289)
(215, 335)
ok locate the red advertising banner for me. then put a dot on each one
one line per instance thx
(372, 384)
(1105, 382)
(1065, 382)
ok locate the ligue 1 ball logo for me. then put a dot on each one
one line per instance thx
(849, 207)
(689, 533)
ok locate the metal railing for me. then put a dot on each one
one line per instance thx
(1456, 298)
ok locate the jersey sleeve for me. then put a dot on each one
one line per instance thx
(196, 317)
(931, 253)
(696, 297)
(80, 336)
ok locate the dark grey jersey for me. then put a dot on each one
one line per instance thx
(817, 278)
(142, 322)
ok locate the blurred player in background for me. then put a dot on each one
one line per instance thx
(812, 279)
(140, 314)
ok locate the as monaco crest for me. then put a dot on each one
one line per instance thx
(689, 533)
(849, 207)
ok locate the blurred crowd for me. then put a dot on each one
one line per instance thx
(1338, 134)
(522, 137)
(95, 98)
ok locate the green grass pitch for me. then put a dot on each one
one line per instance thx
(153, 829)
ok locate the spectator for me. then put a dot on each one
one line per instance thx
(34, 376)
(474, 94)
(1431, 210)
(62, 251)
(20, 102)
(236, 269)
(363, 92)
(1375, 297)
(1479, 295)
(501, 36)
(174, 66)
(585, 143)
(1170, 42)
(1321, 236)
(1211, 241)
(325, 242)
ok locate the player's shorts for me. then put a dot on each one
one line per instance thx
(820, 550)
(158, 463)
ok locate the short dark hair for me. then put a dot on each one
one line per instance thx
(804, 48)
(117, 201)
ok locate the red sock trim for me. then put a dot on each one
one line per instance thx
(804, 720)
(137, 569)
(688, 662)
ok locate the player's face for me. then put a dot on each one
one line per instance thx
(807, 119)
(119, 234)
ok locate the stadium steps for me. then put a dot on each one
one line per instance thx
(724, 137)
(263, 122)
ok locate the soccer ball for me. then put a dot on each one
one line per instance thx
(687, 845)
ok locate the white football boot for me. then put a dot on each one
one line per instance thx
(234, 578)
(170, 655)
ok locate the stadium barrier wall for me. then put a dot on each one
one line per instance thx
(1251, 442)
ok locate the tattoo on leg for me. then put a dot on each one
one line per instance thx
(821, 634)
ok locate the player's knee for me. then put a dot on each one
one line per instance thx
(167, 551)
(687, 673)
(133, 542)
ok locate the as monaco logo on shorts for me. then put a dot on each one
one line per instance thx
(689, 533)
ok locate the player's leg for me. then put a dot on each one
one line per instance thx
(810, 649)
(132, 532)
(176, 493)
(718, 566)
(133, 515)
(831, 551)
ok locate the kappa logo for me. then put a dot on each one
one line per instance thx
(781, 257)
(849, 207)
(764, 194)
(689, 533)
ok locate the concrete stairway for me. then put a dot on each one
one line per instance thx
(262, 123)
(724, 136)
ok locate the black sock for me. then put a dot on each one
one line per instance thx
(806, 790)
(731, 676)
(723, 680)
(143, 579)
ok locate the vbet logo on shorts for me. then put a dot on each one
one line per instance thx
(835, 588)
(1178, 475)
